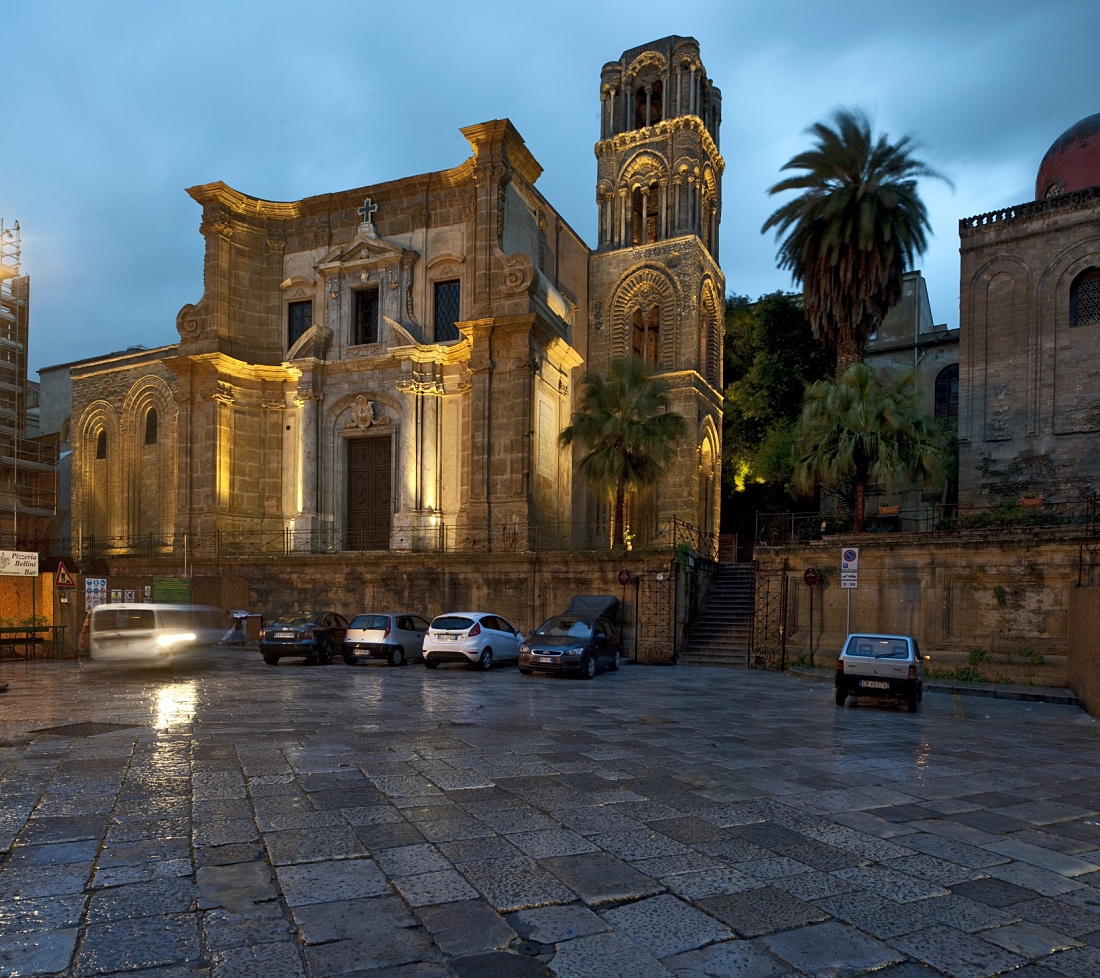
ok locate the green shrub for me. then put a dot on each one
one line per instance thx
(999, 595)
(976, 656)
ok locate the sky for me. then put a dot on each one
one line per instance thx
(111, 109)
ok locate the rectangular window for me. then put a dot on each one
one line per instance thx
(366, 316)
(299, 318)
(447, 296)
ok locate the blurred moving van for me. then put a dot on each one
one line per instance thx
(151, 633)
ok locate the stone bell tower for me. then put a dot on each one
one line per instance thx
(655, 288)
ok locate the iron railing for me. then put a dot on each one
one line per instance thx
(661, 535)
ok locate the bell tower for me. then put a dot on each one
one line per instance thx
(655, 288)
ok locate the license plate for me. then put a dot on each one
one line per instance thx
(284, 635)
(873, 684)
(545, 658)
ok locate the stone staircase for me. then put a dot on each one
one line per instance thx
(722, 632)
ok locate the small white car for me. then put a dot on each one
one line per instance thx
(471, 637)
(396, 637)
(880, 665)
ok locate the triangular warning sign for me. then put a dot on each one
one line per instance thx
(63, 578)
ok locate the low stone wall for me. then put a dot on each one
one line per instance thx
(992, 600)
(525, 588)
(1083, 664)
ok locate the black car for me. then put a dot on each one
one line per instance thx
(577, 642)
(315, 635)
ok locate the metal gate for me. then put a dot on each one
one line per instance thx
(769, 637)
(655, 617)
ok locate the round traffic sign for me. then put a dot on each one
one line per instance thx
(811, 576)
(850, 555)
(624, 577)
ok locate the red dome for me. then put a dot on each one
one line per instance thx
(1073, 160)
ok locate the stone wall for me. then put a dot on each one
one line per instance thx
(1083, 666)
(525, 588)
(1001, 595)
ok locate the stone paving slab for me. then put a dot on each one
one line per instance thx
(396, 824)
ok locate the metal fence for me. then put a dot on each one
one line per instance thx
(537, 536)
(938, 520)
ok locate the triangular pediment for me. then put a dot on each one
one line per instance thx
(363, 250)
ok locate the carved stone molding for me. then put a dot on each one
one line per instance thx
(188, 322)
(223, 393)
(517, 274)
(216, 227)
(363, 415)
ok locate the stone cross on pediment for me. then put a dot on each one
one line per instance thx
(367, 210)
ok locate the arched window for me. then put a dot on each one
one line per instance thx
(1084, 298)
(101, 444)
(647, 334)
(947, 394)
(648, 105)
(151, 426)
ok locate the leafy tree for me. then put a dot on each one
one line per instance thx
(852, 230)
(859, 430)
(627, 430)
(771, 358)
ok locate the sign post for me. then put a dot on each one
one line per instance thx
(811, 578)
(849, 576)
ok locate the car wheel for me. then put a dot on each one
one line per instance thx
(841, 696)
(324, 653)
(271, 660)
(527, 672)
(485, 662)
(588, 667)
(911, 702)
(429, 662)
(613, 665)
(397, 656)
(349, 659)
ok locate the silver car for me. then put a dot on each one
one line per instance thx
(880, 665)
(397, 637)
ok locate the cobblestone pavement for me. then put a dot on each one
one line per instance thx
(231, 819)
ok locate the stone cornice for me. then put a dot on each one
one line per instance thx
(1076, 200)
(661, 130)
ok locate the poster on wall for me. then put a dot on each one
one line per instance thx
(95, 592)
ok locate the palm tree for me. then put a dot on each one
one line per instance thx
(852, 231)
(857, 430)
(627, 430)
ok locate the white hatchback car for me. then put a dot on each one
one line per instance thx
(880, 665)
(396, 637)
(471, 637)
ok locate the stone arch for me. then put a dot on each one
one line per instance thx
(359, 413)
(1064, 347)
(1000, 399)
(644, 178)
(710, 465)
(647, 77)
(96, 515)
(643, 290)
(643, 169)
(710, 333)
(148, 469)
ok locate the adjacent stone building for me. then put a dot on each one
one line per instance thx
(390, 367)
(1029, 408)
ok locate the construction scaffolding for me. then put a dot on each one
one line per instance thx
(28, 465)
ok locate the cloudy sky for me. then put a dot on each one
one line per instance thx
(112, 108)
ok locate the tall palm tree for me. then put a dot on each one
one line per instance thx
(856, 429)
(627, 430)
(853, 229)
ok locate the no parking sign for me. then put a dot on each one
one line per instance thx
(849, 567)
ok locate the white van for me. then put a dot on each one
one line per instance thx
(151, 633)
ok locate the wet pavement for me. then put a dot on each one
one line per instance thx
(230, 819)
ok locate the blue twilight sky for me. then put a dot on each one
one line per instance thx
(111, 108)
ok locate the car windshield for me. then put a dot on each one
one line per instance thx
(877, 647)
(373, 622)
(563, 627)
(293, 620)
(452, 623)
(123, 619)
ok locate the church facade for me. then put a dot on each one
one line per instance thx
(390, 367)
